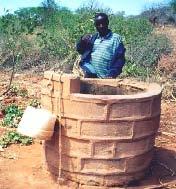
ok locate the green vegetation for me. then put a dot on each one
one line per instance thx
(35, 103)
(12, 116)
(12, 137)
(173, 5)
(45, 36)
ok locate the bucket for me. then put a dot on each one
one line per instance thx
(37, 123)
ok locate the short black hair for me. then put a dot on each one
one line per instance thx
(105, 16)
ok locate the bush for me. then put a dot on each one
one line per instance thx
(13, 116)
(134, 70)
(56, 36)
(12, 137)
(131, 28)
(144, 53)
(173, 5)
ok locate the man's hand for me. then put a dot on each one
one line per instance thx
(86, 38)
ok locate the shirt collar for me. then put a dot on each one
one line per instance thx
(106, 36)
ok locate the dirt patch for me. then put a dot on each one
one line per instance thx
(162, 170)
(21, 167)
(168, 117)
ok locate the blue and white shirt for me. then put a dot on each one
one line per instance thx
(103, 56)
(103, 51)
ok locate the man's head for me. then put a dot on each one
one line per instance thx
(101, 22)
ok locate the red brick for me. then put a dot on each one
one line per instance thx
(143, 128)
(70, 127)
(76, 148)
(139, 163)
(102, 166)
(83, 110)
(104, 149)
(134, 148)
(116, 129)
(135, 109)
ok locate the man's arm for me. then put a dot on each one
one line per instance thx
(83, 44)
(118, 61)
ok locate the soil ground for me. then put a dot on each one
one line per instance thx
(21, 166)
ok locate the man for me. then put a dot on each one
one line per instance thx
(102, 54)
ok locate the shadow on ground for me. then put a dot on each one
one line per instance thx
(162, 171)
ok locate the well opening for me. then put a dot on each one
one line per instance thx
(100, 89)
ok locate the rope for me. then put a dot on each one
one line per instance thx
(50, 87)
(77, 70)
(58, 112)
(59, 100)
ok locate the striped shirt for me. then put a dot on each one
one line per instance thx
(102, 53)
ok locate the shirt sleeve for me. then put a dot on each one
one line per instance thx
(118, 61)
(81, 46)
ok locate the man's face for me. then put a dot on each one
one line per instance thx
(101, 25)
